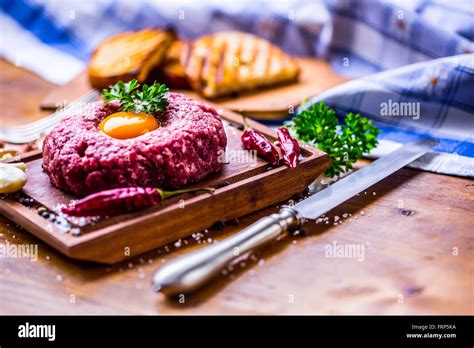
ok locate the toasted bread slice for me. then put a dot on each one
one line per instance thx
(228, 62)
(172, 71)
(128, 56)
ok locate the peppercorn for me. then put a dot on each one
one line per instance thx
(223, 184)
(219, 225)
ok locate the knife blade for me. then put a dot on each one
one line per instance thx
(190, 272)
(342, 190)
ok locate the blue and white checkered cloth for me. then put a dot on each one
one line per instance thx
(414, 58)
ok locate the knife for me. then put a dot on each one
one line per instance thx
(190, 272)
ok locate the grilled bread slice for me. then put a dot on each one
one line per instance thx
(228, 62)
(128, 56)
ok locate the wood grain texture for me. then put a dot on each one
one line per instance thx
(25, 83)
(409, 227)
(267, 103)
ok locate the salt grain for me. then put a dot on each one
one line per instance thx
(75, 231)
(178, 243)
(261, 262)
(59, 277)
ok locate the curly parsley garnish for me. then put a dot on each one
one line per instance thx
(318, 126)
(148, 99)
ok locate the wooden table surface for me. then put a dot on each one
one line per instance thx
(415, 228)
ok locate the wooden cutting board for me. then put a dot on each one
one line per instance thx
(243, 186)
(271, 103)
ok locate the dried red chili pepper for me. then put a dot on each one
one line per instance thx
(289, 146)
(122, 200)
(254, 140)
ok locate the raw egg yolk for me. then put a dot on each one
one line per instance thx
(126, 125)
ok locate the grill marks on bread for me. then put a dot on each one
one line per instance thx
(229, 62)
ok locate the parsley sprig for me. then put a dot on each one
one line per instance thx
(318, 125)
(149, 99)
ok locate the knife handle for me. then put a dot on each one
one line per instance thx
(191, 271)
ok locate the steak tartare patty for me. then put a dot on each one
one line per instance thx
(184, 149)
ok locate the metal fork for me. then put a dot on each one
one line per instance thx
(32, 131)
